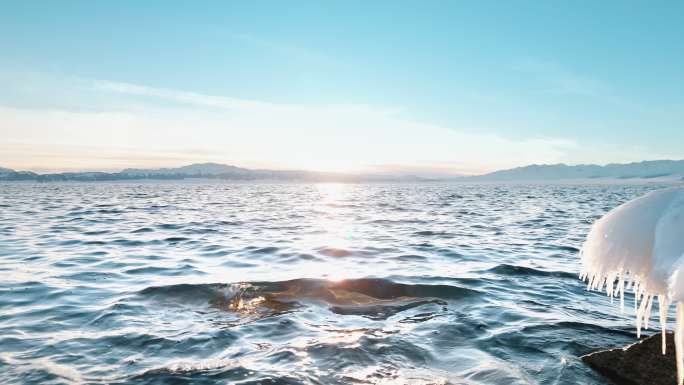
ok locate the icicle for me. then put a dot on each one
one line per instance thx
(679, 343)
(636, 295)
(663, 305)
(640, 314)
(610, 279)
(610, 287)
(647, 315)
(640, 245)
(630, 283)
(622, 292)
(601, 281)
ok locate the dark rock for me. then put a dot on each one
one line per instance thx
(641, 363)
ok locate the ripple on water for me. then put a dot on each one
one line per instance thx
(212, 283)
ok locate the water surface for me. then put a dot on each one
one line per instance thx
(214, 283)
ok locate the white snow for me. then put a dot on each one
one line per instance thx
(640, 244)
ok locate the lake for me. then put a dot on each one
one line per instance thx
(257, 283)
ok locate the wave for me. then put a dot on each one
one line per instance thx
(514, 270)
(369, 297)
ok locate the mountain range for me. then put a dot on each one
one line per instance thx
(202, 170)
(672, 169)
(657, 169)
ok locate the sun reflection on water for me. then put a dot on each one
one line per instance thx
(337, 234)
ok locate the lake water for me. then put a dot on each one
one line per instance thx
(215, 283)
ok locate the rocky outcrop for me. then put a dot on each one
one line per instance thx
(641, 363)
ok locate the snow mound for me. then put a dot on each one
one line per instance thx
(640, 246)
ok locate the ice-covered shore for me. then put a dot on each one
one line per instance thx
(639, 246)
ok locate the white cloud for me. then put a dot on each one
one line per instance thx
(258, 134)
(187, 97)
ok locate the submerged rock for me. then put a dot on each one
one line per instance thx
(641, 363)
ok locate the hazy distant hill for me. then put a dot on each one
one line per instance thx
(201, 170)
(9, 174)
(556, 172)
(645, 169)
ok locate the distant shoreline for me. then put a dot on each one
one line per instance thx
(657, 171)
(589, 181)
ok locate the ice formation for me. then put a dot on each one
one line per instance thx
(640, 246)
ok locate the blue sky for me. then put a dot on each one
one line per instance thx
(443, 86)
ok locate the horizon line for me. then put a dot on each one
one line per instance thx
(398, 171)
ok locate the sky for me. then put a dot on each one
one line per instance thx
(431, 87)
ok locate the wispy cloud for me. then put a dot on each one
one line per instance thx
(254, 133)
(50, 156)
(227, 103)
(562, 81)
(187, 97)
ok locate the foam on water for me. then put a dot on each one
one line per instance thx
(640, 244)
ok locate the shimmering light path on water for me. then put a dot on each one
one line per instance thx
(145, 283)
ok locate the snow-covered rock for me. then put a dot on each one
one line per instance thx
(640, 245)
